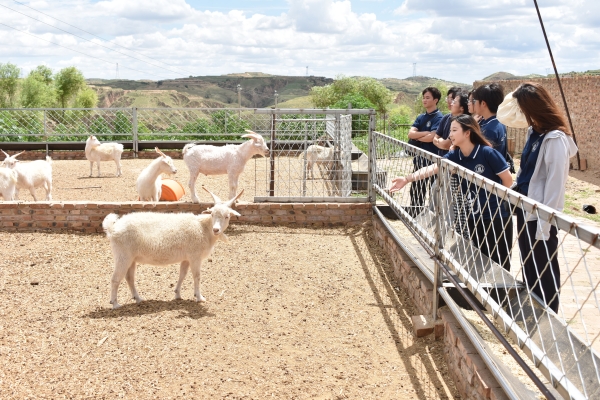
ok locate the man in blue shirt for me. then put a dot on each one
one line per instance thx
(421, 135)
(486, 99)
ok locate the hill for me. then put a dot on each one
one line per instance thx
(413, 86)
(211, 91)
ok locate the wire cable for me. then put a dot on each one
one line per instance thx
(99, 37)
(88, 40)
(77, 51)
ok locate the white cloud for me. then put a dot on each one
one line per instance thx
(462, 41)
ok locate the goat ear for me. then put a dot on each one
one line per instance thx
(232, 201)
(233, 212)
(216, 199)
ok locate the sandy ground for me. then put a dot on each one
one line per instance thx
(291, 313)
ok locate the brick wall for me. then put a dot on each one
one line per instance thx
(581, 94)
(472, 378)
(87, 216)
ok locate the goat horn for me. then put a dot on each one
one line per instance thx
(160, 152)
(18, 154)
(232, 201)
(4, 153)
(214, 196)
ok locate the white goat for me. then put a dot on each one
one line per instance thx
(161, 239)
(149, 183)
(8, 183)
(96, 152)
(322, 157)
(31, 175)
(230, 160)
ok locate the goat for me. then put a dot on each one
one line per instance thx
(230, 160)
(161, 239)
(31, 175)
(8, 183)
(321, 156)
(149, 183)
(96, 152)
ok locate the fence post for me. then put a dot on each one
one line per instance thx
(272, 156)
(372, 154)
(439, 245)
(134, 126)
(46, 134)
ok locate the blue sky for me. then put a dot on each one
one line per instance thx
(458, 40)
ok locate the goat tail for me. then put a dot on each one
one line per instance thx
(187, 147)
(108, 223)
(49, 160)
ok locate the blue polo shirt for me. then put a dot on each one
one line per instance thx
(495, 132)
(443, 131)
(427, 122)
(487, 162)
(528, 160)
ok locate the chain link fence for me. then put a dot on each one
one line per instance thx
(535, 270)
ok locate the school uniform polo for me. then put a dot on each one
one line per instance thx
(528, 161)
(489, 163)
(443, 131)
(495, 132)
(427, 122)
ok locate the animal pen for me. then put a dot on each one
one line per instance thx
(348, 186)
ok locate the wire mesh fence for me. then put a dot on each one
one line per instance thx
(314, 153)
(536, 270)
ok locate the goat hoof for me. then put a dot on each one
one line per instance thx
(200, 299)
(139, 300)
(116, 305)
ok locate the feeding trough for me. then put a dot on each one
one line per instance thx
(171, 190)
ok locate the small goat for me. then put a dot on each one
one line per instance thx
(8, 183)
(230, 160)
(320, 156)
(96, 152)
(31, 175)
(149, 183)
(161, 239)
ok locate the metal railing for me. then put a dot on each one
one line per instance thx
(543, 294)
(315, 153)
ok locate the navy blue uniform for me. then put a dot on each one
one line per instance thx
(443, 131)
(489, 222)
(426, 122)
(495, 132)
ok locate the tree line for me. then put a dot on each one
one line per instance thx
(42, 88)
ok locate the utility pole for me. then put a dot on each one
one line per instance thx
(117, 70)
(276, 96)
(239, 90)
(307, 70)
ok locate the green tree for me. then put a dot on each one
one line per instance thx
(369, 88)
(69, 81)
(37, 90)
(9, 84)
(86, 98)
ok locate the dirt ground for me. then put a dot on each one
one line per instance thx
(291, 313)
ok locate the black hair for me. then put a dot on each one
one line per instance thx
(435, 92)
(468, 123)
(463, 95)
(491, 93)
(453, 91)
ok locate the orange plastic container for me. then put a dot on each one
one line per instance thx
(171, 190)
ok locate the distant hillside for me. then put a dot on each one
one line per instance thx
(507, 76)
(219, 91)
(413, 86)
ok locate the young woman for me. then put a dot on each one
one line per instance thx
(490, 224)
(459, 105)
(542, 177)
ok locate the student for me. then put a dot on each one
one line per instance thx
(458, 106)
(450, 95)
(421, 135)
(486, 99)
(542, 177)
(471, 108)
(490, 224)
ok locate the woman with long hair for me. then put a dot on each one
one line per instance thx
(489, 222)
(542, 177)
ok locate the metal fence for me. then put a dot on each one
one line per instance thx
(541, 293)
(315, 153)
